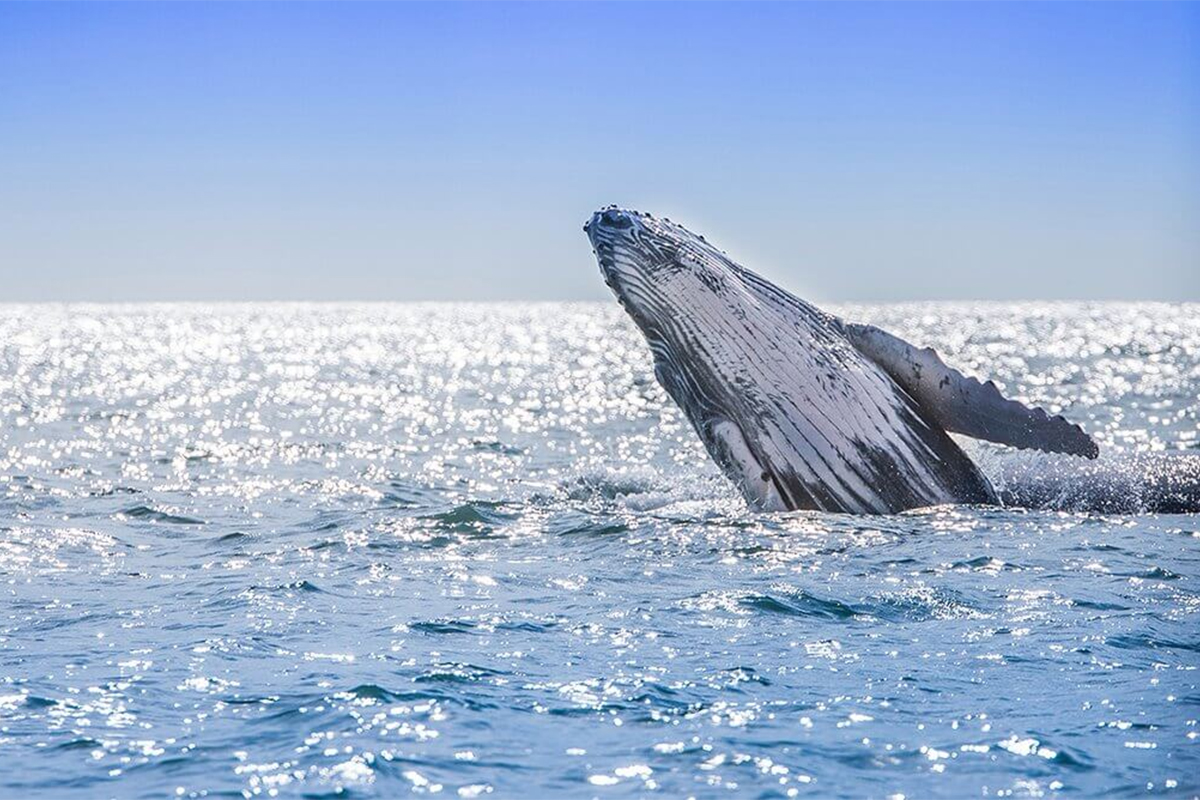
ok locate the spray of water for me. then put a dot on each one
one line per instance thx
(1116, 483)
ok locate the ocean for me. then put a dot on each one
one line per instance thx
(367, 550)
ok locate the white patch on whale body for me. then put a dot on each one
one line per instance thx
(754, 481)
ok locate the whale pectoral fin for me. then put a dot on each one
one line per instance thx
(964, 405)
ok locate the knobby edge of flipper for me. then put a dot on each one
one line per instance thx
(962, 404)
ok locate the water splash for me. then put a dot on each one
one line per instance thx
(1118, 483)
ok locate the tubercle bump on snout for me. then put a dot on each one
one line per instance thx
(633, 212)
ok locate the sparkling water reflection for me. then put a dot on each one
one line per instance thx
(473, 550)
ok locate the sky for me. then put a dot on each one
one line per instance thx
(366, 151)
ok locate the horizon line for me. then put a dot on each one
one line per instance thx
(564, 301)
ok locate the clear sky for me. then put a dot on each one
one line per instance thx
(453, 151)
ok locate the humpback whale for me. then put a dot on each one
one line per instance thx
(799, 408)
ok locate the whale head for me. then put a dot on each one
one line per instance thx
(660, 271)
(673, 284)
(700, 312)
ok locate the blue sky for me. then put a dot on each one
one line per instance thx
(452, 151)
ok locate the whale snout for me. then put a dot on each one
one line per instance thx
(610, 220)
(614, 233)
(616, 218)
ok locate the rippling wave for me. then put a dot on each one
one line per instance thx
(367, 550)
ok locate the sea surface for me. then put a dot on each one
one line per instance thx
(475, 551)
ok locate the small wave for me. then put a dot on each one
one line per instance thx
(294, 586)
(1094, 605)
(1039, 746)
(576, 523)
(114, 490)
(1153, 574)
(1142, 641)
(154, 515)
(82, 743)
(372, 693)
(802, 604)
(921, 603)
(407, 494)
(528, 626)
(442, 627)
(496, 447)
(474, 517)
(33, 701)
(608, 485)
(303, 586)
(453, 672)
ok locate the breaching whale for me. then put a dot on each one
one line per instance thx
(801, 409)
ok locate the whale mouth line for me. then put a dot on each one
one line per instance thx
(608, 266)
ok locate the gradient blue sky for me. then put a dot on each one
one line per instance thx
(411, 151)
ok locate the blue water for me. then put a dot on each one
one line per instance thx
(367, 550)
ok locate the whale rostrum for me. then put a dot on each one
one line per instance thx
(800, 409)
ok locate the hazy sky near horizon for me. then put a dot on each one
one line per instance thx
(453, 151)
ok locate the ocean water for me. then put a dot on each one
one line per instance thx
(473, 550)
